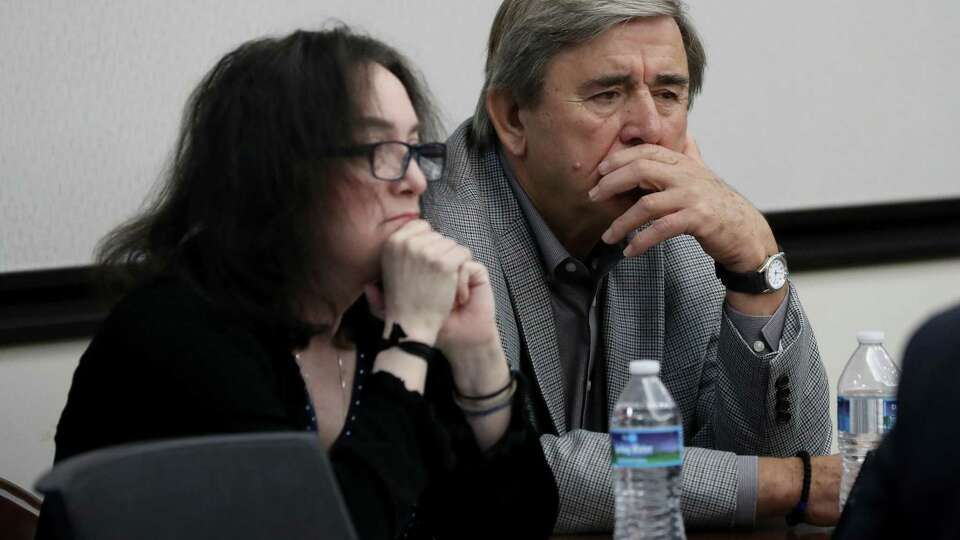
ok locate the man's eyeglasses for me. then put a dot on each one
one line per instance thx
(389, 159)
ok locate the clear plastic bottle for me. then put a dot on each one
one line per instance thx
(647, 453)
(866, 404)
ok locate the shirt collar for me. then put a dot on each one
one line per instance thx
(552, 253)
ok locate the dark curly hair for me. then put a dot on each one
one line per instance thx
(251, 173)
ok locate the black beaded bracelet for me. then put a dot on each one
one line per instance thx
(796, 515)
(470, 409)
(486, 412)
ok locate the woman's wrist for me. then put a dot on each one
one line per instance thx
(415, 330)
(406, 367)
(478, 370)
(487, 404)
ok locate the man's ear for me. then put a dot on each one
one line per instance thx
(504, 113)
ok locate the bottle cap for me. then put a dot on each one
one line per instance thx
(644, 367)
(870, 337)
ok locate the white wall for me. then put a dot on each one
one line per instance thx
(806, 104)
(34, 381)
(91, 94)
(892, 298)
(822, 103)
(896, 298)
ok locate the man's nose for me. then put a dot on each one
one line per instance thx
(641, 122)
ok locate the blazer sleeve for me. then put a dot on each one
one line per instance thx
(733, 411)
(580, 460)
(769, 404)
(748, 404)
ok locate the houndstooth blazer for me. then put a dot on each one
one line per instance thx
(664, 305)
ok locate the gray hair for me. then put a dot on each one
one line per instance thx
(527, 34)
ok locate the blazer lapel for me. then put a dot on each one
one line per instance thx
(529, 294)
(632, 318)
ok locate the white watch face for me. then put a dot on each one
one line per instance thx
(776, 274)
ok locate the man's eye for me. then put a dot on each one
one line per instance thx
(606, 97)
(668, 95)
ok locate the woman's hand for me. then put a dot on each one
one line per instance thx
(469, 338)
(472, 321)
(471, 343)
(421, 273)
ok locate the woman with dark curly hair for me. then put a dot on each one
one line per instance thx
(283, 280)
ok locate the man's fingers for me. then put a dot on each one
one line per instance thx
(647, 208)
(646, 174)
(692, 150)
(661, 229)
(624, 156)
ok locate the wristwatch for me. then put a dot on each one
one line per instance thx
(770, 277)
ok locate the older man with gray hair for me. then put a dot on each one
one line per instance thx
(579, 187)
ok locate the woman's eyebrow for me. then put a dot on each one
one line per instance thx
(376, 123)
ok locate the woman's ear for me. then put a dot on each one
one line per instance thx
(504, 114)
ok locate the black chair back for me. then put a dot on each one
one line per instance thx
(250, 486)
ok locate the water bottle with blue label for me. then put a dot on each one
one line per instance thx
(866, 404)
(646, 437)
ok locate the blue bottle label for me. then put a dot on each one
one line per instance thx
(843, 414)
(889, 413)
(647, 447)
(888, 410)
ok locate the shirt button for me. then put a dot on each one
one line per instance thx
(570, 267)
(759, 346)
(594, 264)
(589, 385)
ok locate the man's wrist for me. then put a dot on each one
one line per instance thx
(780, 481)
(755, 257)
(798, 513)
(757, 304)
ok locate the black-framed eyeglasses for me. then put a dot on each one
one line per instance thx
(389, 159)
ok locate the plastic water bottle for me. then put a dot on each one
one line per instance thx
(647, 452)
(866, 404)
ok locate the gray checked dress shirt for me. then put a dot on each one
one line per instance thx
(736, 396)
